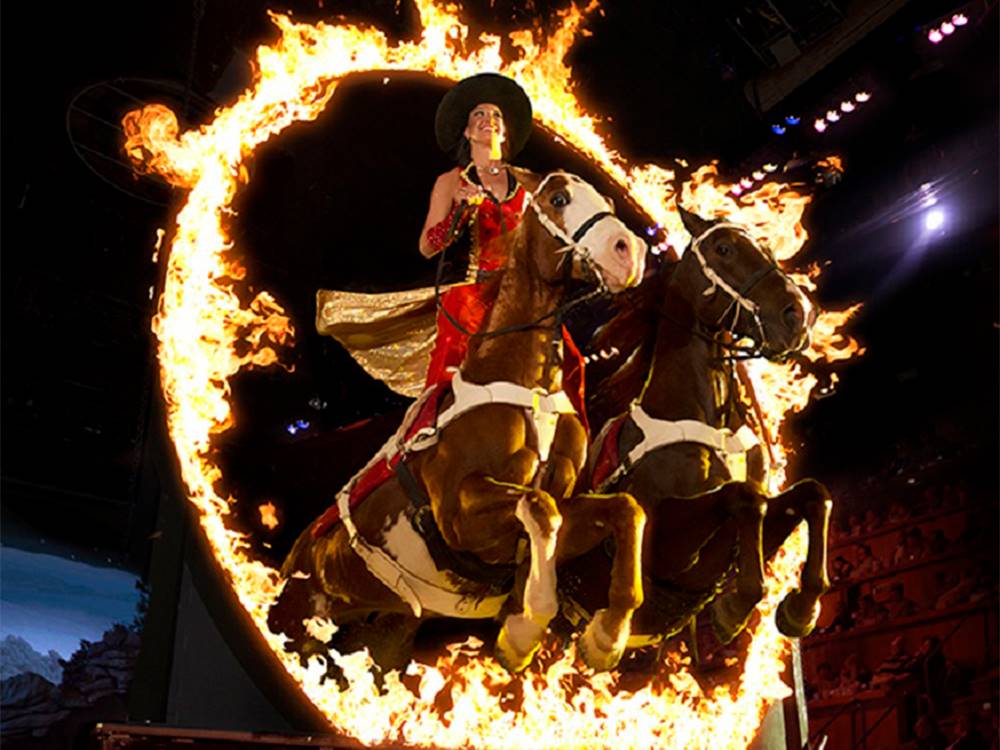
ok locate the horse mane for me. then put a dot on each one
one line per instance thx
(612, 384)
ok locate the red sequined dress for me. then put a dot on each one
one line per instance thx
(470, 303)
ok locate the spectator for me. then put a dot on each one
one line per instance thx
(897, 605)
(872, 520)
(960, 590)
(928, 734)
(869, 612)
(826, 681)
(866, 562)
(967, 737)
(954, 495)
(841, 568)
(912, 546)
(842, 621)
(898, 512)
(957, 680)
(929, 665)
(854, 676)
(896, 667)
(931, 499)
(938, 543)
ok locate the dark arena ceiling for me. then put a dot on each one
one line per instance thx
(339, 203)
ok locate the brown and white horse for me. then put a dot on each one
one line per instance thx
(503, 461)
(683, 429)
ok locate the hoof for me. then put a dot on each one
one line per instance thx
(790, 622)
(728, 618)
(599, 650)
(515, 660)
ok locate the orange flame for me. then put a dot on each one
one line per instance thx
(200, 321)
(269, 515)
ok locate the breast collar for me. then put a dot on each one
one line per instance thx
(543, 408)
(658, 433)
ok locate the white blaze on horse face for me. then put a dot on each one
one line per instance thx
(619, 254)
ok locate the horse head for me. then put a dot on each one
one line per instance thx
(734, 284)
(571, 222)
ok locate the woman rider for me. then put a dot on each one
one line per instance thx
(480, 121)
(483, 121)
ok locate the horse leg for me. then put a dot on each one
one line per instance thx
(521, 634)
(587, 519)
(388, 636)
(731, 612)
(808, 500)
(682, 528)
(326, 583)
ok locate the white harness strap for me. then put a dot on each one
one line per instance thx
(429, 589)
(543, 407)
(657, 433)
(716, 281)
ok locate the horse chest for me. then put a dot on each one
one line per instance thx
(682, 470)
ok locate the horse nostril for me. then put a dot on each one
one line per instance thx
(622, 247)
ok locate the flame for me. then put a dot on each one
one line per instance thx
(828, 343)
(206, 335)
(269, 515)
(833, 162)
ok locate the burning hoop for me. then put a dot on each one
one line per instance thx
(201, 320)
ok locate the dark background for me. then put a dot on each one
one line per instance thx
(338, 203)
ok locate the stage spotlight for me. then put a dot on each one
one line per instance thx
(862, 97)
(959, 19)
(833, 115)
(793, 119)
(934, 219)
(820, 124)
(947, 28)
(847, 106)
(935, 36)
(778, 129)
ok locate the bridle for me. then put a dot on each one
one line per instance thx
(572, 237)
(573, 249)
(739, 302)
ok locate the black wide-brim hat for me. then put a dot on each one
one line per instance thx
(484, 88)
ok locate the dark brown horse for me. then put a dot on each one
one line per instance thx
(506, 464)
(685, 424)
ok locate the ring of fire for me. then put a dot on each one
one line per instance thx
(200, 321)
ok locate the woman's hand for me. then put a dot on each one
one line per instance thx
(448, 192)
(467, 193)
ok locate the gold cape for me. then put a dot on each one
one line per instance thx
(390, 334)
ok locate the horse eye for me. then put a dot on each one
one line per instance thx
(560, 199)
(723, 249)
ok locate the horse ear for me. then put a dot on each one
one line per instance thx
(695, 225)
(528, 179)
